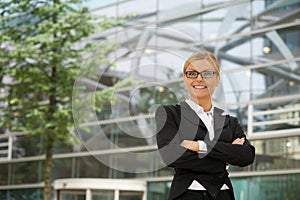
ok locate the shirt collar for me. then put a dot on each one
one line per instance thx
(197, 108)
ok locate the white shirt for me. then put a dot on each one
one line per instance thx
(208, 120)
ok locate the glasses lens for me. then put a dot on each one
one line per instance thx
(191, 74)
(207, 74)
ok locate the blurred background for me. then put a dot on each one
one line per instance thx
(257, 44)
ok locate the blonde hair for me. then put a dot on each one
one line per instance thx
(202, 55)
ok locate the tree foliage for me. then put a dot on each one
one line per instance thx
(40, 53)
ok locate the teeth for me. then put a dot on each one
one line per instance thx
(199, 86)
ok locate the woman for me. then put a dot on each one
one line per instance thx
(198, 140)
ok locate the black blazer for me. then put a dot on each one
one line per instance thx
(176, 123)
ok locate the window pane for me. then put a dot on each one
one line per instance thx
(130, 195)
(102, 195)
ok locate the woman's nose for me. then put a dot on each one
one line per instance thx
(199, 77)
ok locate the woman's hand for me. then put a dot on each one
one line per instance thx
(239, 141)
(191, 145)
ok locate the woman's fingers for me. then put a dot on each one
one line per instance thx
(191, 145)
(239, 141)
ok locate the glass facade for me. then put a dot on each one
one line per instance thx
(259, 187)
(257, 44)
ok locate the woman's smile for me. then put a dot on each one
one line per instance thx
(199, 87)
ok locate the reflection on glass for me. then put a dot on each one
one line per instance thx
(267, 187)
(33, 172)
(130, 195)
(277, 116)
(158, 190)
(257, 187)
(72, 195)
(277, 153)
(26, 194)
(102, 195)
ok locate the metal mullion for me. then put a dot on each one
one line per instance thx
(283, 133)
(269, 112)
(279, 121)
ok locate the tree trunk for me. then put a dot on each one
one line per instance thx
(48, 167)
(49, 140)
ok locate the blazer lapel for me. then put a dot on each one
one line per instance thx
(220, 120)
(189, 114)
(189, 123)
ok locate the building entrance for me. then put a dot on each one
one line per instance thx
(99, 189)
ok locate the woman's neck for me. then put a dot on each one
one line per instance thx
(205, 104)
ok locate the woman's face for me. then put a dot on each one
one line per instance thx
(201, 88)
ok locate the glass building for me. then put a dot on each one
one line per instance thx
(257, 44)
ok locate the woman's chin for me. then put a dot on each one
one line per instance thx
(201, 98)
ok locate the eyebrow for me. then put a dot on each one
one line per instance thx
(197, 70)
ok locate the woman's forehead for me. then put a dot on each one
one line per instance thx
(202, 64)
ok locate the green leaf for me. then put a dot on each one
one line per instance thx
(14, 101)
(50, 124)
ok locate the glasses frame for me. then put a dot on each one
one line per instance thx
(201, 74)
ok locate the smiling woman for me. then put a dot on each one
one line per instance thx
(201, 87)
(198, 140)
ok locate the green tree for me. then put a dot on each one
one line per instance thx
(40, 53)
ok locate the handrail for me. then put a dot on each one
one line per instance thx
(281, 115)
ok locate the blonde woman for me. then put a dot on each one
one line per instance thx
(198, 139)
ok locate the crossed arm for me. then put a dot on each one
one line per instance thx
(194, 145)
(240, 152)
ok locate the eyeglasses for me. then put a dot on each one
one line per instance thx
(205, 74)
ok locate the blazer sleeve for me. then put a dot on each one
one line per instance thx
(234, 154)
(169, 140)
